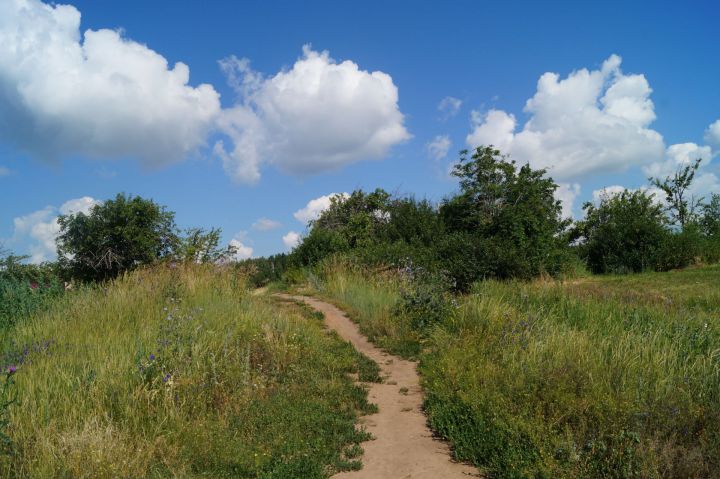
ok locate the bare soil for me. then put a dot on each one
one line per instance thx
(403, 445)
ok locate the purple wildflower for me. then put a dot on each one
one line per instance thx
(152, 357)
(166, 378)
(11, 369)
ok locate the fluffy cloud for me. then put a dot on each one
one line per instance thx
(449, 107)
(567, 193)
(495, 128)
(95, 93)
(590, 122)
(683, 154)
(438, 148)
(676, 156)
(317, 116)
(242, 251)
(607, 192)
(291, 240)
(315, 207)
(265, 224)
(40, 228)
(712, 134)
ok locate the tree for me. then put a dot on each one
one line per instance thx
(357, 218)
(626, 232)
(711, 216)
(681, 209)
(115, 236)
(510, 212)
(198, 245)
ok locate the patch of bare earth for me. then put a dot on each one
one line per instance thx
(403, 445)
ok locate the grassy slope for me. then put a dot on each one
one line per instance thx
(236, 386)
(603, 377)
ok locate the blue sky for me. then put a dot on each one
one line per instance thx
(88, 116)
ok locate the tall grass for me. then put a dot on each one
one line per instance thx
(601, 377)
(370, 298)
(180, 373)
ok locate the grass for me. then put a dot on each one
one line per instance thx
(179, 372)
(615, 376)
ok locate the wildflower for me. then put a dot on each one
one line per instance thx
(152, 357)
(166, 378)
(11, 369)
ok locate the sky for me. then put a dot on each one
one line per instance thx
(249, 116)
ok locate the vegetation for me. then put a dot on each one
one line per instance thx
(625, 233)
(532, 367)
(25, 289)
(179, 372)
(116, 236)
(611, 376)
(681, 209)
(504, 223)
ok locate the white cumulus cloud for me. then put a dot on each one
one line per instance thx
(291, 239)
(319, 115)
(265, 224)
(449, 107)
(607, 192)
(93, 93)
(566, 194)
(242, 251)
(589, 122)
(676, 156)
(683, 154)
(315, 207)
(38, 230)
(438, 148)
(712, 134)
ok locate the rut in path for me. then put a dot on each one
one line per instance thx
(403, 446)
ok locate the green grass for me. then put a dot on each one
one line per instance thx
(615, 376)
(237, 385)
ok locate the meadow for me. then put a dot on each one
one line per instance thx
(603, 376)
(178, 372)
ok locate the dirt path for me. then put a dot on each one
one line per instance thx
(403, 446)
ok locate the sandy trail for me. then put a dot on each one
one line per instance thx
(403, 447)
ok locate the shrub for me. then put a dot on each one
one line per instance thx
(116, 236)
(680, 248)
(26, 288)
(423, 298)
(624, 233)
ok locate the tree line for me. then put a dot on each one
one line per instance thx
(504, 222)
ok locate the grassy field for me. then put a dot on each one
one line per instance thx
(615, 376)
(175, 372)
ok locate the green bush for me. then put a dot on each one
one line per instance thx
(681, 248)
(625, 233)
(116, 236)
(424, 298)
(25, 289)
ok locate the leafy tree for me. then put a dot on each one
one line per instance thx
(357, 218)
(115, 236)
(681, 209)
(626, 232)
(198, 245)
(510, 213)
(710, 220)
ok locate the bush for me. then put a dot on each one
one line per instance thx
(26, 288)
(424, 298)
(116, 236)
(624, 233)
(680, 249)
